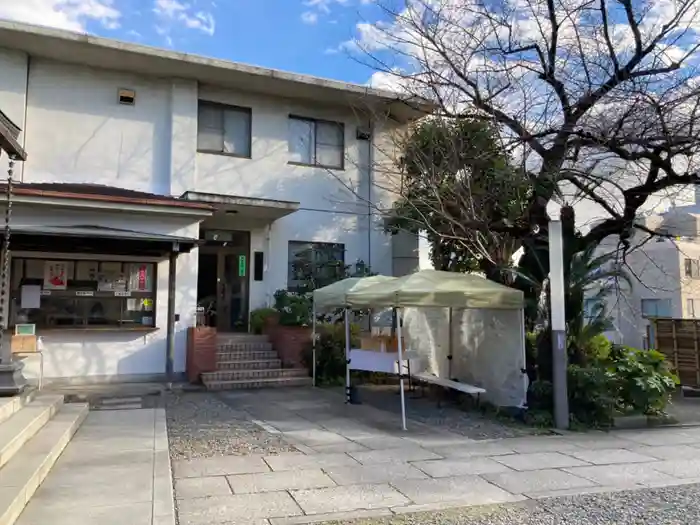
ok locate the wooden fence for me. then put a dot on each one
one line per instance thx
(679, 340)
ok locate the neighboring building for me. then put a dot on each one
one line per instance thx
(140, 156)
(665, 275)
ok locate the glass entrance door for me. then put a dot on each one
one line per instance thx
(232, 279)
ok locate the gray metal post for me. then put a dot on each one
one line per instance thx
(170, 334)
(558, 325)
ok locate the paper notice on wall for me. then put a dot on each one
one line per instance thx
(55, 275)
(31, 296)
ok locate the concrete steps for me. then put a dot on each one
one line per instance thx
(246, 355)
(280, 382)
(31, 440)
(261, 364)
(253, 375)
(10, 405)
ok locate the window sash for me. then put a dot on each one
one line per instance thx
(692, 268)
(656, 308)
(316, 142)
(326, 262)
(224, 129)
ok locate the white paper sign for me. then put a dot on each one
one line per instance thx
(31, 296)
(55, 275)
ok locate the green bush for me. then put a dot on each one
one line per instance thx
(598, 347)
(258, 318)
(644, 379)
(294, 309)
(330, 352)
(592, 395)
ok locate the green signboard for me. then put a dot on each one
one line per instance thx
(241, 266)
(25, 329)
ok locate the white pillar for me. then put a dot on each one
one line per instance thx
(558, 320)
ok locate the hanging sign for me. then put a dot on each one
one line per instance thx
(241, 266)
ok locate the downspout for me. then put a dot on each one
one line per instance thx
(268, 248)
(370, 181)
(26, 110)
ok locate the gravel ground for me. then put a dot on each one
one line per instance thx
(200, 425)
(668, 506)
(468, 422)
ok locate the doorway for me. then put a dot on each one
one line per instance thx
(222, 281)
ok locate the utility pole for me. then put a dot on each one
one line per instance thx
(558, 324)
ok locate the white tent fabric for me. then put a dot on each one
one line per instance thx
(436, 288)
(335, 295)
(487, 349)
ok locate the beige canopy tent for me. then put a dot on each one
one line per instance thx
(436, 288)
(426, 288)
(335, 296)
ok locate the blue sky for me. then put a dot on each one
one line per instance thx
(295, 35)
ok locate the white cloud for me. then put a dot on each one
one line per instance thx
(62, 14)
(172, 12)
(309, 17)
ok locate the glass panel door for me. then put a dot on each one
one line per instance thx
(232, 307)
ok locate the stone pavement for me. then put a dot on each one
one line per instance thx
(354, 461)
(115, 471)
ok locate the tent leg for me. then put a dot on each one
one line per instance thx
(313, 345)
(449, 356)
(347, 355)
(400, 346)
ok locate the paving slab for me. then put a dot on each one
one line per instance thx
(537, 481)
(609, 456)
(539, 461)
(394, 455)
(187, 488)
(348, 498)
(473, 450)
(363, 474)
(131, 514)
(333, 516)
(622, 475)
(463, 490)
(660, 436)
(376, 442)
(598, 440)
(219, 466)
(282, 480)
(687, 468)
(243, 507)
(348, 446)
(444, 468)
(533, 444)
(315, 437)
(294, 461)
(666, 452)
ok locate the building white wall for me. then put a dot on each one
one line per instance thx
(13, 92)
(107, 354)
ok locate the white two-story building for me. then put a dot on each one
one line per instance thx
(142, 161)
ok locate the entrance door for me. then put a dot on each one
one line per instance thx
(232, 290)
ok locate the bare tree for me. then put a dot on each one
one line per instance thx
(594, 98)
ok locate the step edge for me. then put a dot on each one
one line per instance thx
(30, 429)
(25, 491)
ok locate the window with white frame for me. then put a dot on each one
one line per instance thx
(224, 130)
(656, 307)
(692, 307)
(315, 264)
(316, 142)
(692, 268)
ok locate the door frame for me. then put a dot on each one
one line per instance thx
(223, 316)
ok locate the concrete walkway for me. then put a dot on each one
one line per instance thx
(355, 462)
(115, 471)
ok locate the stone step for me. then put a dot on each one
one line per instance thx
(11, 405)
(280, 382)
(250, 375)
(246, 355)
(23, 474)
(25, 423)
(237, 346)
(228, 338)
(256, 364)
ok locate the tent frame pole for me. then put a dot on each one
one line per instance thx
(347, 355)
(400, 367)
(313, 343)
(449, 356)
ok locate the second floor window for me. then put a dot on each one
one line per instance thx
(656, 307)
(692, 268)
(223, 129)
(693, 308)
(316, 142)
(315, 264)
